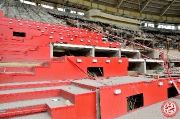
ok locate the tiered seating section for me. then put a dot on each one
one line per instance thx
(29, 41)
(154, 38)
(36, 89)
(15, 9)
(168, 41)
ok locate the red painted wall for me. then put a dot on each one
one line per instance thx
(114, 68)
(84, 107)
(115, 105)
(65, 70)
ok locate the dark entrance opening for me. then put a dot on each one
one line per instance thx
(135, 101)
(172, 92)
(19, 34)
(95, 71)
(71, 51)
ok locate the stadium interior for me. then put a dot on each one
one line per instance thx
(47, 40)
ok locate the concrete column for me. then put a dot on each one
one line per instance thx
(51, 50)
(176, 27)
(155, 24)
(93, 52)
(142, 68)
(145, 66)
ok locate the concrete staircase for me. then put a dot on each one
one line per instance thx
(57, 98)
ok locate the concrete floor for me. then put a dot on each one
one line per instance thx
(52, 102)
(114, 80)
(151, 112)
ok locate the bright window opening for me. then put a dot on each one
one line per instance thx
(47, 6)
(73, 12)
(150, 25)
(80, 13)
(160, 25)
(60, 9)
(30, 3)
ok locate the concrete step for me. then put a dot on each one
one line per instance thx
(19, 64)
(15, 102)
(66, 91)
(22, 110)
(17, 70)
(43, 115)
(32, 106)
(52, 102)
(35, 84)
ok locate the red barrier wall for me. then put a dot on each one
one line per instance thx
(59, 70)
(84, 108)
(112, 105)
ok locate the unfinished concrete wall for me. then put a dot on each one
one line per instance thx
(106, 52)
(130, 53)
(172, 52)
(149, 53)
(153, 66)
(58, 50)
(175, 53)
(137, 65)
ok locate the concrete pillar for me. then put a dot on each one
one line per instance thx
(142, 68)
(176, 27)
(156, 24)
(93, 52)
(51, 50)
(145, 66)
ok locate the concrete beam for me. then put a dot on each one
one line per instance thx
(107, 52)
(144, 5)
(166, 7)
(81, 50)
(135, 54)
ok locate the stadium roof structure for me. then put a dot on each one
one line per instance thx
(157, 7)
(161, 8)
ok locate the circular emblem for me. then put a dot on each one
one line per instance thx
(169, 109)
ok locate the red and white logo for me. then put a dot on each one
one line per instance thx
(169, 109)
